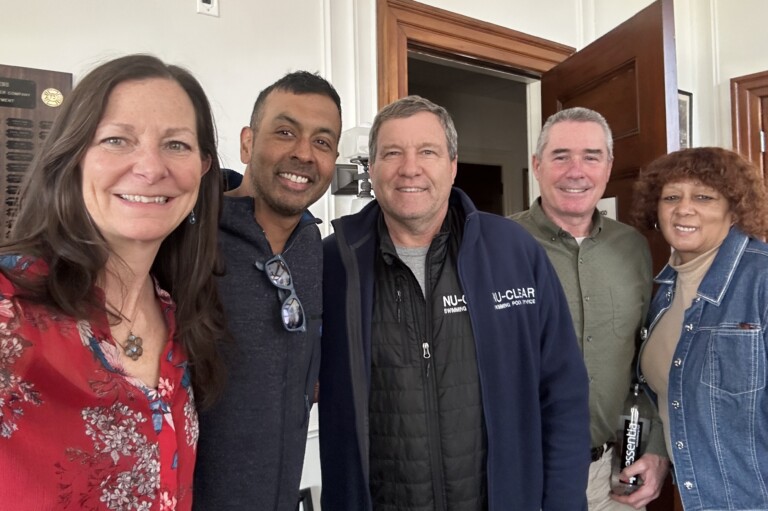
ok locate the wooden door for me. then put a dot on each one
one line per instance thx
(630, 76)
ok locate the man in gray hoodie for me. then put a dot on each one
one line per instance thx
(252, 441)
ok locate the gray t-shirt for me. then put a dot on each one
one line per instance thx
(415, 259)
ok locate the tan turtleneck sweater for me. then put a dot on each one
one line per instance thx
(656, 358)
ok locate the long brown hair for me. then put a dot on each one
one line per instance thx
(54, 225)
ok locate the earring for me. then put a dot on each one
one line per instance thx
(655, 226)
(192, 218)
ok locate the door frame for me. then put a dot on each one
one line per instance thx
(747, 94)
(405, 24)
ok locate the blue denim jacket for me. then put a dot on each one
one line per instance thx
(718, 403)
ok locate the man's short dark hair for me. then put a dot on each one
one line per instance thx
(298, 82)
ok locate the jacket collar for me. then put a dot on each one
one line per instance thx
(238, 217)
(449, 236)
(243, 210)
(715, 283)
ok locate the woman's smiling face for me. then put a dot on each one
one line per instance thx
(693, 217)
(142, 172)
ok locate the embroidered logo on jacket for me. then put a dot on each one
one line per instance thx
(514, 297)
(454, 303)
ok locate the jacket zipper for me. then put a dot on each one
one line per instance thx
(288, 245)
(399, 301)
(427, 355)
(430, 389)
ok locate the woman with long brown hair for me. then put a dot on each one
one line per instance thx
(108, 304)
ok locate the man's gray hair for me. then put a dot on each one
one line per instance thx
(407, 107)
(576, 114)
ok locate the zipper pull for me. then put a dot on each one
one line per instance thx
(425, 347)
(399, 300)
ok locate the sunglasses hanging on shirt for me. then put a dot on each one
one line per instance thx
(291, 310)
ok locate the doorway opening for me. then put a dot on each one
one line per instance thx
(483, 185)
(489, 108)
(416, 42)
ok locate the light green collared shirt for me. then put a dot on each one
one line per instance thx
(607, 281)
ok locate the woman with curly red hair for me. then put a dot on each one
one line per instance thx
(705, 354)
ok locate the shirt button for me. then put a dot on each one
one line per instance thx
(678, 362)
(675, 404)
(679, 444)
(643, 333)
(688, 327)
(553, 238)
(688, 485)
(589, 338)
(581, 260)
(586, 298)
(591, 379)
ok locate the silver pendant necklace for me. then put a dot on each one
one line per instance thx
(132, 347)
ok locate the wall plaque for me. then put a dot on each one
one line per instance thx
(17, 93)
(29, 101)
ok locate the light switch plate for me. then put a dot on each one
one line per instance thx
(208, 7)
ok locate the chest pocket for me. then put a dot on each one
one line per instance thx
(735, 360)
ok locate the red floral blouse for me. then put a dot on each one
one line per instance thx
(76, 432)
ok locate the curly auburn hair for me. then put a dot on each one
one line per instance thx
(737, 179)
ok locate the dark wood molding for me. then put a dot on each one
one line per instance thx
(406, 24)
(747, 96)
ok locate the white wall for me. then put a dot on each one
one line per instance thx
(606, 14)
(741, 44)
(234, 56)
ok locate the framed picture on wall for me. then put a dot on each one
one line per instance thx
(685, 107)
